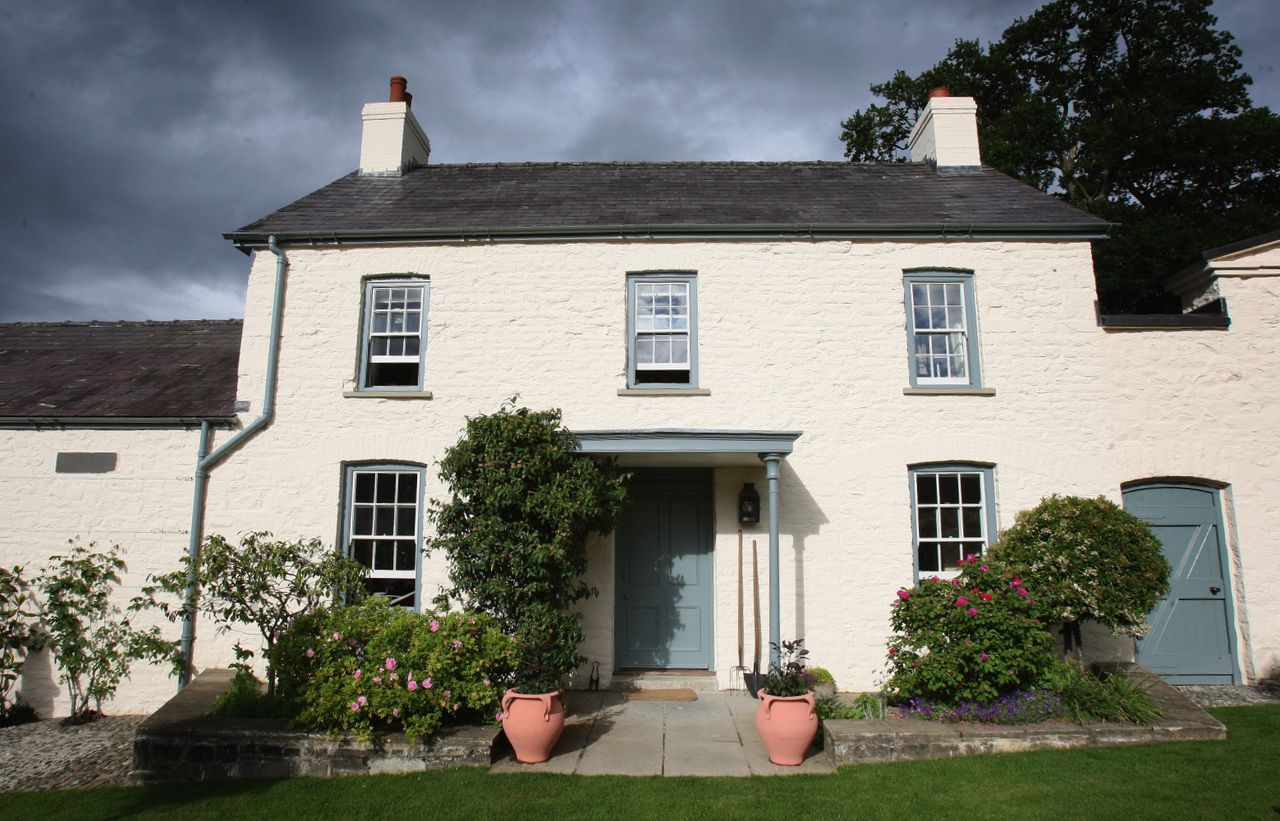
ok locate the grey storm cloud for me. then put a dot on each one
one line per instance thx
(135, 133)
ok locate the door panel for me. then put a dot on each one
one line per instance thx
(1192, 637)
(664, 577)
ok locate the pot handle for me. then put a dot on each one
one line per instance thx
(768, 705)
(546, 706)
(813, 705)
(507, 698)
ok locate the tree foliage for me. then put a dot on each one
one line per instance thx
(1137, 111)
(263, 581)
(94, 642)
(522, 503)
(1087, 559)
(19, 633)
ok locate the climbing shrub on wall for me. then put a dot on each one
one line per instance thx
(521, 504)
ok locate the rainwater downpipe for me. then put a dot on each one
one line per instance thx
(206, 462)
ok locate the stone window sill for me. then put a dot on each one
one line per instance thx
(957, 390)
(387, 395)
(664, 392)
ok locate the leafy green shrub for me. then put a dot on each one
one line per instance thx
(248, 698)
(971, 638)
(94, 643)
(1087, 559)
(1102, 696)
(375, 667)
(865, 706)
(262, 581)
(18, 636)
(822, 675)
(788, 677)
(522, 502)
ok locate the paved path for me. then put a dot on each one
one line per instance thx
(715, 735)
(48, 755)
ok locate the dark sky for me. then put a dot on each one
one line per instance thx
(134, 133)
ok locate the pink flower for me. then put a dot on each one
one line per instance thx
(955, 582)
(377, 679)
(487, 683)
(311, 653)
(357, 675)
(426, 683)
(362, 701)
(986, 596)
(391, 664)
(984, 568)
(1022, 591)
(355, 706)
(962, 601)
(448, 694)
(893, 650)
(973, 558)
(395, 712)
(498, 716)
(351, 642)
(972, 611)
(934, 579)
(412, 685)
(457, 643)
(435, 625)
(395, 676)
(337, 637)
(982, 656)
(904, 595)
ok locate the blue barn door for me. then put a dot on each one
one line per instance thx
(663, 572)
(1192, 637)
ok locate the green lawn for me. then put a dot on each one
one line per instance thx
(1235, 779)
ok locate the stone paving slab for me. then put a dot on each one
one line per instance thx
(51, 755)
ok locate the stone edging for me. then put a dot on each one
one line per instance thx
(860, 742)
(180, 743)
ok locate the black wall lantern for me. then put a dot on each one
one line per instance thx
(749, 505)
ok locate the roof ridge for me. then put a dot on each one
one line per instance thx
(117, 323)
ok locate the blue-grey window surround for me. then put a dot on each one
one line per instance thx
(662, 329)
(393, 333)
(942, 329)
(382, 506)
(953, 515)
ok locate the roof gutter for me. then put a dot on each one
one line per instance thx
(115, 422)
(206, 461)
(249, 240)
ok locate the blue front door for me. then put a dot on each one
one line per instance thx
(664, 570)
(1192, 638)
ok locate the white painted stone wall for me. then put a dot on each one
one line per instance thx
(144, 505)
(793, 335)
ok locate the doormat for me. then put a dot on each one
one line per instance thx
(674, 694)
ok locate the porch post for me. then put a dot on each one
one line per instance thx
(772, 465)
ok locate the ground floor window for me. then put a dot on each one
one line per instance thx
(383, 527)
(953, 516)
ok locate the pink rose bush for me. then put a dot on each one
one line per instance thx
(972, 638)
(322, 658)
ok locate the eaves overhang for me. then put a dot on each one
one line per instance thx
(1086, 231)
(115, 422)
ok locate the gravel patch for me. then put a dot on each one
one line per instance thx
(1232, 695)
(48, 755)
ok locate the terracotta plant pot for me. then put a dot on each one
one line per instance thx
(533, 724)
(787, 724)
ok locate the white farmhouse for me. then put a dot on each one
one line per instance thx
(894, 359)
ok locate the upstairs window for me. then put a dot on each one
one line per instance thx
(941, 332)
(395, 334)
(953, 516)
(384, 528)
(662, 340)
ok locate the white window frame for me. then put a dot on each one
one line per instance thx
(372, 330)
(932, 507)
(353, 527)
(638, 329)
(914, 282)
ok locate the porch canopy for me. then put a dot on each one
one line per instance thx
(638, 447)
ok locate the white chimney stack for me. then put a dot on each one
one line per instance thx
(392, 141)
(946, 133)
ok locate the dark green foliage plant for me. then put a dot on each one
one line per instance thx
(1137, 111)
(822, 675)
(789, 676)
(970, 638)
(372, 666)
(1089, 695)
(867, 706)
(94, 642)
(1087, 559)
(262, 581)
(521, 504)
(247, 698)
(19, 634)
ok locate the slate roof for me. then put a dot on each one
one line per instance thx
(560, 197)
(119, 370)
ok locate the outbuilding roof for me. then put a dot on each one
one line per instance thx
(479, 201)
(144, 371)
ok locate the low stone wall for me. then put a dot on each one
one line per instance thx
(864, 742)
(181, 743)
